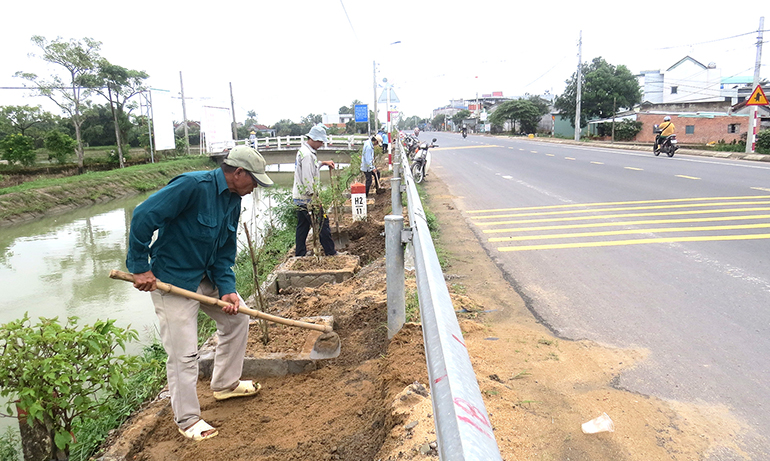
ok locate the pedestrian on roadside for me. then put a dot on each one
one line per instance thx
(196, 217)
(385, 140)
(367, 161)
(307, 181)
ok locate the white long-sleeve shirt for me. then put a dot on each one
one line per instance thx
(307, 172)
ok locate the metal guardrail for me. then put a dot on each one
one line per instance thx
(463, 429)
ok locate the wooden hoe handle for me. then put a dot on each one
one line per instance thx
(168, 288)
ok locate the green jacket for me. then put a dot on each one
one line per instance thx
(196, 217)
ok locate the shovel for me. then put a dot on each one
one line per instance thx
(327, 345)
(379, 189)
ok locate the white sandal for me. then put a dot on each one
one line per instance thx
(195, 432)
(244, 389)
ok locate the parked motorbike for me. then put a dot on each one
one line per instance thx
(668, 147)
(421, 162)
(411, 143)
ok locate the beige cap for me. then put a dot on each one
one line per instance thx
(250, 160)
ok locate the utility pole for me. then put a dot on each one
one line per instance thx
(374, 81)
(579, 87)
(184, 115)
(232, 108)
(751, 137)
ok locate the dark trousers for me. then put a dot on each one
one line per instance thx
(369, 175)
(304, 223)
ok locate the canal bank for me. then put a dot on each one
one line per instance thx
(44, 197)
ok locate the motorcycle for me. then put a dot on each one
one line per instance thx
(412, 144)
(669, 145)
(465, 134)
(421, 162)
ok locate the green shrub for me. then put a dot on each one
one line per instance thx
(59, 374)
(627, 129)
(763, 142)
(18, 148)
(60, 146)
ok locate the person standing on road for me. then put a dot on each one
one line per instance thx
(196, 217)
(367, 161)
(307, 181)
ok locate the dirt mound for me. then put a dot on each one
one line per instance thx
(339, 411)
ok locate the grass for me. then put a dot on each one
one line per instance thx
(143, 386)
(45, 194)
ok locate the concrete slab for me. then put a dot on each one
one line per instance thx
(286, 276)
(271, 364)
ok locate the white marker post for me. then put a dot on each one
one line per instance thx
(358, 201)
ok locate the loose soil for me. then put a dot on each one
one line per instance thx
(371, 402)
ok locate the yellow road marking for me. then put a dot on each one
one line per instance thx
(534, 151)
(578, 205)
(625, 223)
(482, 146)
(704, 238)
(632, 168)
(685, 177)
(597, 163)
(761, 188)
(569, 158)
(622, 208)
(548, 155)
(629, 232)
(624, 215)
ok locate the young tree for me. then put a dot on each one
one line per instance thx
(606, 89)
(18, 148)
(59, 373)
(79, 59)
(461, 115)
(59, 146)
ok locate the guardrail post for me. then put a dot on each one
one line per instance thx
(394, 272)
(395, 195)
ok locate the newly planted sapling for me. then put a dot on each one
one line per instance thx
(60, 373)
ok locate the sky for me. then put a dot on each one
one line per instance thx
(289, 58)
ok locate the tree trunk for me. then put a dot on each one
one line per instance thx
(36, 441)
(117, 128)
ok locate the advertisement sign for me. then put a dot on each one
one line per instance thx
(362, 112)
(163, 119)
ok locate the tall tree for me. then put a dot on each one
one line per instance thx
(79, 58)
(523, 111)
(117, 85)
(21, 118)
(606, 90)
(461, 115)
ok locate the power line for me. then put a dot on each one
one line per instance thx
(708, 41)
(348, 17)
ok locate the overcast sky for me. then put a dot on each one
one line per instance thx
(286, 59)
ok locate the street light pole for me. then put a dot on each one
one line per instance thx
(374, 81)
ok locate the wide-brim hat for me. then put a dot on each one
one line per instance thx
(317, 133)
(250, 160)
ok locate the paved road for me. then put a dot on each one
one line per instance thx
(632, 250)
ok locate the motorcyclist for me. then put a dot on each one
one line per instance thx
(416, 132)
(666, 129)
(464, 130)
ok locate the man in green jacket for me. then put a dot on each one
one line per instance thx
(196, 219)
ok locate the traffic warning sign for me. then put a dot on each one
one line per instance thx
(757, 98)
